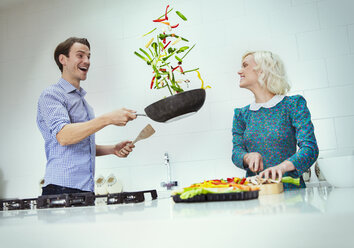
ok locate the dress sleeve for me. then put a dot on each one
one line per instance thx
(54, 112)
(306, 141)
(239, 149)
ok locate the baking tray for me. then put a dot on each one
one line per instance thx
(239, 196)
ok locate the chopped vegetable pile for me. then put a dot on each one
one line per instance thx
(230, 185)
(257, 180)
(161, 49)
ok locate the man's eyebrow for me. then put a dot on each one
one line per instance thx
(82, 51)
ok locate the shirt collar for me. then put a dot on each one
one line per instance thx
(270, 104)
(68, 87)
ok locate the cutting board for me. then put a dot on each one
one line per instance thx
(272, 188)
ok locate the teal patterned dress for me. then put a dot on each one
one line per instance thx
(276, 133)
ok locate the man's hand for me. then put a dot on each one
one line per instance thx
(121, 117)
(123, 149)
(254, 161)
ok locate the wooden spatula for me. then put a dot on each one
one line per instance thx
(145, 133)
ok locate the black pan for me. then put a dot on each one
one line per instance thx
(177, 106)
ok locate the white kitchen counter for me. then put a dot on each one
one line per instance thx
(312, 217)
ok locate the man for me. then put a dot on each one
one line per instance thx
(68, 125)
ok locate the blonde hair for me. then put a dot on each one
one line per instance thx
(273, 74)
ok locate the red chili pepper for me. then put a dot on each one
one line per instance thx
(243, 180)
(160, 20)
(166, 45)
(166, 12)
(175, 26)
(180, 67)
(152, 82)
(164, 40)
(230, 179)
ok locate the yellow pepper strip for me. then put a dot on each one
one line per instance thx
(149, 43)
(167, 23)
(206, 87)
(176, 41)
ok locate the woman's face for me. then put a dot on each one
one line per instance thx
(249, 76)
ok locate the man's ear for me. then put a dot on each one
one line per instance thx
(62, 59)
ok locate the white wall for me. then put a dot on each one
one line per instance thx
(315, 38)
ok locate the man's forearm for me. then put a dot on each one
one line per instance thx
(75, 132)
(104, 150)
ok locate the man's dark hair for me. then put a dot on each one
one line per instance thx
(64, 48)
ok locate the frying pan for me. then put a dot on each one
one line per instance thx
(176, 107)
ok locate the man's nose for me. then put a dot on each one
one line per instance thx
(87, 60)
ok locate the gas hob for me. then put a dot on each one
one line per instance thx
(74, 200)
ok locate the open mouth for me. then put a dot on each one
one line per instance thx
(84, 69)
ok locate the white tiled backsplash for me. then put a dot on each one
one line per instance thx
(314, 38)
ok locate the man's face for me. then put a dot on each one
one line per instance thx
(76, 66)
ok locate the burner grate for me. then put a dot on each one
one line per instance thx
(73, 200)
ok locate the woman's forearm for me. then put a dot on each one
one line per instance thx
(287, 166)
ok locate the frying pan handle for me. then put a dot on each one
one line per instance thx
(140, 114)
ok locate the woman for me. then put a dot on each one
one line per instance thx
(267, 132)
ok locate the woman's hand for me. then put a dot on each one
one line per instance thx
(254, 161)
(123, 149)
(277, 172)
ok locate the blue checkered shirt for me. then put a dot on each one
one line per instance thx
(72, 165)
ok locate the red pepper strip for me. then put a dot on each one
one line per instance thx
(166, 12)
(175, 26)
(180, 67)
(152, 82)
(230, 180)
(173, 69)
(166, 45)
(160, 20)
(162, 69)
(243, 180)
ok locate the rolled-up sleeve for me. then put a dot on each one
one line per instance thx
(306, 141)
(53, 111)
(239, 149)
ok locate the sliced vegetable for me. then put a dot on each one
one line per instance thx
(141, 56)
(202, 81)
(180, 60)
(188, 51)
(152, 82)
(158, 53)
(149, 32)
(147, 55)
(181, 15)
(295, 181)
(149, 43)
(176, 41)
